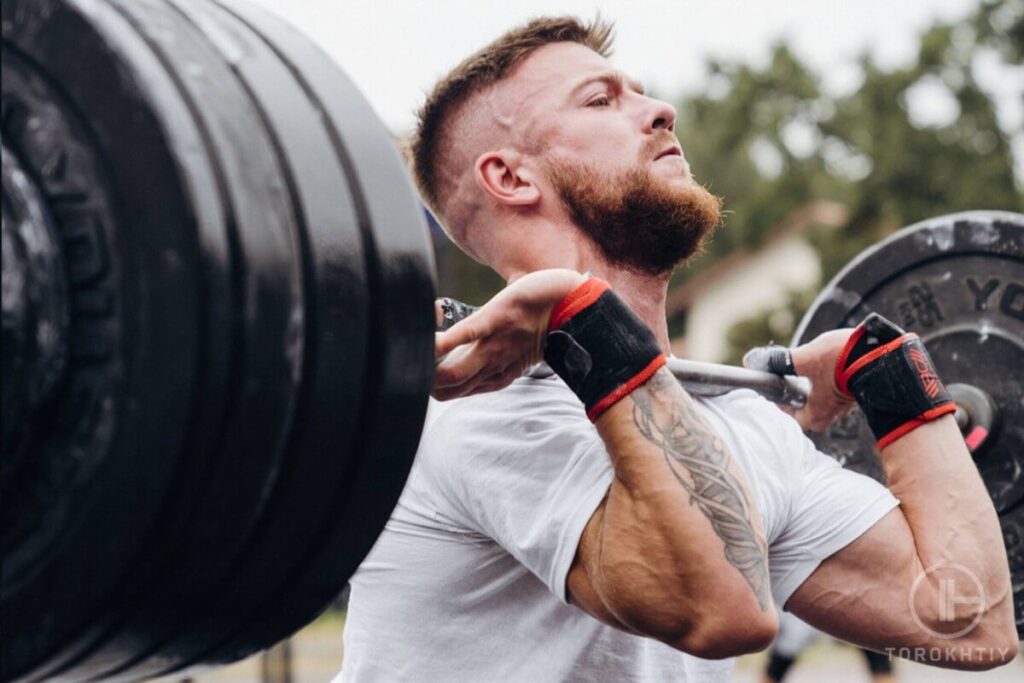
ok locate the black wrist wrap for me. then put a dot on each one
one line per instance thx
(599, 347)
(892, 377)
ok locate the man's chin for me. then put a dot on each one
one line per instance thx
(673, 173)
(648, 220)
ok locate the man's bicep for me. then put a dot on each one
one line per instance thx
(861, 592)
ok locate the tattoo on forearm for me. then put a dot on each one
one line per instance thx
(687, 441)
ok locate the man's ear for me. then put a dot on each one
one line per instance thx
(502, 175)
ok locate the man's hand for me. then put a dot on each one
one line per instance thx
(815, 360)
(496, 344)
(946, 517)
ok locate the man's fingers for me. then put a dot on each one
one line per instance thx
(464, 332)
(502, 379)
(467, 376)
(460, 367)
(477, 384)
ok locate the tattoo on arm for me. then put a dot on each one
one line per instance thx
(688, 442)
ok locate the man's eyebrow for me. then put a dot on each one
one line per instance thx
(612, 78)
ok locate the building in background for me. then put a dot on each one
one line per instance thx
(747, 283)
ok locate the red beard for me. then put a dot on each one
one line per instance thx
(639, 222)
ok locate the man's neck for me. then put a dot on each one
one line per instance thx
(645, 294)
(556, 244)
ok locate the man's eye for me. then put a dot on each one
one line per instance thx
(602, 101)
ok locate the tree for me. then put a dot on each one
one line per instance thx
(867, 148)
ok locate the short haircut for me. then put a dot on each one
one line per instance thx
(428, 145)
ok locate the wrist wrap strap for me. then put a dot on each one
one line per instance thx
(599, 347)
(892, 377)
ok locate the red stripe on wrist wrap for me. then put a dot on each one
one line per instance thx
(599, 347)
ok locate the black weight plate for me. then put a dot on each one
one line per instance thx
(401, 334)
(228, 468)
(336, 322)
(1013, 536)
(227, 480)
(102, 462)
(958, 281)
(35, 313)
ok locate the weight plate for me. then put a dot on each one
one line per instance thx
(35, 306)
(1013, 536)
(958, 282)
(264, 310)
(106, 448)
(226, 480)
(224, 312)
(401, 329)
(335, 322)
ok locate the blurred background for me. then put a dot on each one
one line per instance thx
(824, 125)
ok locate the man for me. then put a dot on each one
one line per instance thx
(600, 523)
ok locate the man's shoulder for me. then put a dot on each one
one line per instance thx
(747, 407)
(527, 402)
(532, 414)
(477, 451)
(766, 439)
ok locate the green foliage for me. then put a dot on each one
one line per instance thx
(1000, 25)
(770, 140)
(739, 137)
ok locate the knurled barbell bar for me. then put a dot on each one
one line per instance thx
(217, 335)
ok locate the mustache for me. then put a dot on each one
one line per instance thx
(655, 144)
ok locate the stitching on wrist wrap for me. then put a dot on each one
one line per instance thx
(892, 377)
(599, 347)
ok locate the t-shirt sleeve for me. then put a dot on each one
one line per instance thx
(527, 469)
(830, 507)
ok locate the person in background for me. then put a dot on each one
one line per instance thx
(796, 636)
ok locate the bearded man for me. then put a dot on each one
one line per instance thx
(591, 520)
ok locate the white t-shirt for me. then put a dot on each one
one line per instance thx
(468, 580)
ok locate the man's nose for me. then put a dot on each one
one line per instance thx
(659, 115)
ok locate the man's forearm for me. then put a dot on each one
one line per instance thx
(680, 522)
(948, 509)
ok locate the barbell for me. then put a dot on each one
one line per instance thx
(217, 335)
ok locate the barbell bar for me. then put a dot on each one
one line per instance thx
(698, 377)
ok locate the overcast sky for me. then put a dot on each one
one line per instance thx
(394, 50)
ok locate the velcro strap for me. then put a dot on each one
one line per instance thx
(893, 378)
(599, 347)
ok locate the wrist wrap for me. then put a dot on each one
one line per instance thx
(599, 347)
(892, 377)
